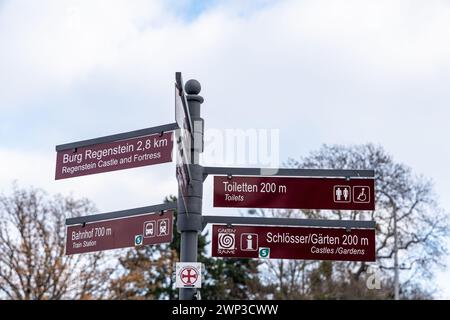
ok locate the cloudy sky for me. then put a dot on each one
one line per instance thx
(310, 72)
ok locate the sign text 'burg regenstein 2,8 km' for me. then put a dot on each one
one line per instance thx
(130, 153)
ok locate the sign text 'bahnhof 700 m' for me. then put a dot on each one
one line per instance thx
(294, 193)
(138, 230)
(118, 155)
(308, 243)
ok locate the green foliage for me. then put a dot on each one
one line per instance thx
(148, 273)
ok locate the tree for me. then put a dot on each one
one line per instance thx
(32, 241)
(148, 273)
(421, 227)
(230, 278)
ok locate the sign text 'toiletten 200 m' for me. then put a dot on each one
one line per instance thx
(118, 155)
(308, 243)
(294, 193)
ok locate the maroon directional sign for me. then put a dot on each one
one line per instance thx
(118, 155)
(294, 193)
(139, 230)
(293, 243)
(183, 138)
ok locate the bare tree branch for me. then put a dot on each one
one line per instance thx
(32, 260)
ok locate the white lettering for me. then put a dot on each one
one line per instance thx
(239, 187)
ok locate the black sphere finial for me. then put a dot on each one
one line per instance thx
(192, 87)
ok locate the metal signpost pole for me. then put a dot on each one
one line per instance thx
(190, 219)
(396, 284)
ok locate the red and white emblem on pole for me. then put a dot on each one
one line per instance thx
(189, 275)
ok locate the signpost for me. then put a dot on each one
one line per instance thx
(294, 193)
(117, 155)
(243, 237)
(275, 242)
(105, 233)
(183, 137)
(190, 193)
(182, 114)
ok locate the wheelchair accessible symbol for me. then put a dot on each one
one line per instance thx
(361, 194)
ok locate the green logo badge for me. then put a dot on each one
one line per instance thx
(264, 252)
(138, 240)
